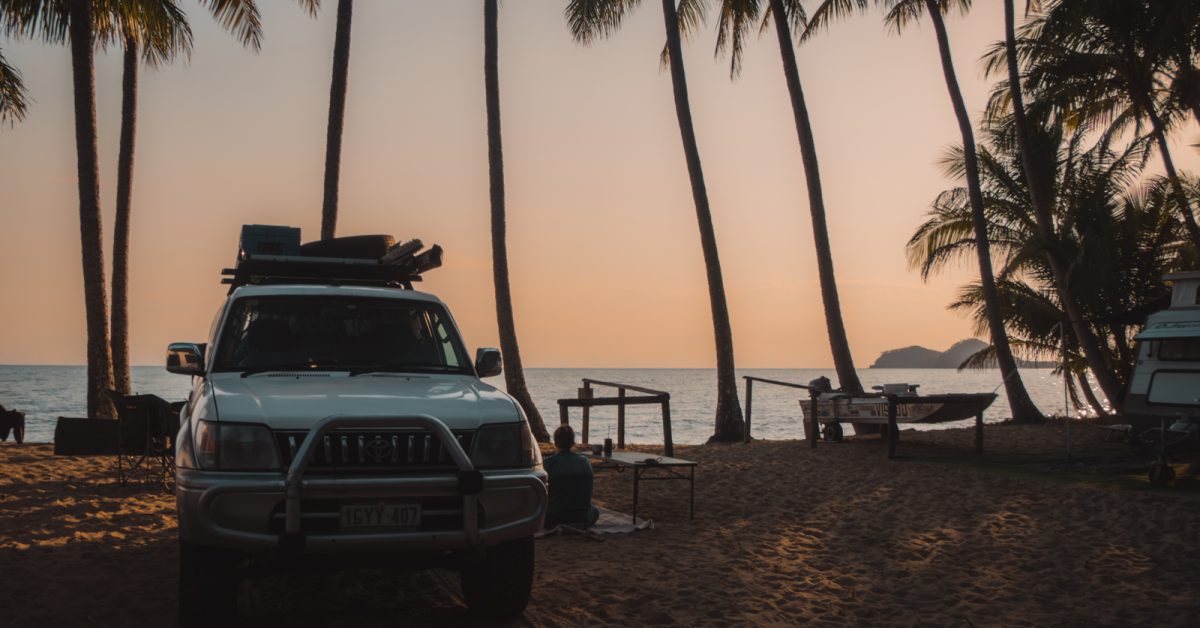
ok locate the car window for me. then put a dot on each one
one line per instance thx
(1177, 349)
(347, 333)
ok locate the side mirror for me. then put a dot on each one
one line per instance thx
(488, 362)
(185, 358)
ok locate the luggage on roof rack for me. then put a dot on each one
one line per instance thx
(273, 255)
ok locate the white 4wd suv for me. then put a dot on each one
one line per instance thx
(338, 419)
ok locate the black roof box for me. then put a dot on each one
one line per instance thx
(270, 254)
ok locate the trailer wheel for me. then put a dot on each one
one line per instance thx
(1161, 474)
(833, 432)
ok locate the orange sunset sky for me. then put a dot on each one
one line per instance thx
(604, 252)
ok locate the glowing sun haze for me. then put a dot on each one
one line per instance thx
(605, 259)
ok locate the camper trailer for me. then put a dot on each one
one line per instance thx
(1165, 387)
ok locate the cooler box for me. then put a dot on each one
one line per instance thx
(268, 240)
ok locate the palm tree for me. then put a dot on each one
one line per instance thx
(99, 376)
(514, 373)
(591, 19)
(155, 30)
(1105, 64)
(900, 13)
(1122, 233)
(74, 21)
(736, 19)
(337, 115)
(1041, 193)
(86, 24)
(12, 93)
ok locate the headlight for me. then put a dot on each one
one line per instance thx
(185, 457)
(505, 445)
(235, 447)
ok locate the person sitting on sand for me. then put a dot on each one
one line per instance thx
(12, 421)
(570, 484)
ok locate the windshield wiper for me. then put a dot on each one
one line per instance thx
(407, 368)
(254, 370)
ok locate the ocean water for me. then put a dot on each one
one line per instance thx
(47, 392)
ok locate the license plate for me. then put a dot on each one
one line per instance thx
(381, 515)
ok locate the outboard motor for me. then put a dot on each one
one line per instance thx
(822, 384)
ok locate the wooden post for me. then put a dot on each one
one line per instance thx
(749, 397)
(585, 393)
(979, 433)
(813, 425)
(892, 430)
(666, 415)
(562, 415)
(621, 419)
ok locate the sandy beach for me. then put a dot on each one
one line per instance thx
(783, 535)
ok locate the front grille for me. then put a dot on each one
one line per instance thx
(373, 450)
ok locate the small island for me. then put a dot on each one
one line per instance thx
(916, 357)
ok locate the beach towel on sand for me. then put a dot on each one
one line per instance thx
(610, 522)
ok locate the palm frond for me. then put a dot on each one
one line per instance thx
(691, 14)
(590, 20)
(241, 17)
(159, 28)
(734, 19)
(828, 12)
(13, 104)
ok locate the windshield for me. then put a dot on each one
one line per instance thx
(339, 333)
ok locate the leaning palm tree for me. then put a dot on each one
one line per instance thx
(337, 116)
(899, 14)
(514, 373)
(592, 19)
(1041, 192)
(737, 17)
(12, 93)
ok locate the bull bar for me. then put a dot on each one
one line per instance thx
(469, 483)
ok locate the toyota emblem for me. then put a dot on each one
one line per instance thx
(378, 449)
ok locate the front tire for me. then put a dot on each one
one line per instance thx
(498, 585)
(208, 585)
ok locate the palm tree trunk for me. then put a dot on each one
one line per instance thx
(1042, 198)
(120, 255)
(95, 297)
(839, 345)
(729, 424)
(514, 373)
(337, 116)
(1019, 402)
(1124, 352)
(1086, 388)
(1181, 198)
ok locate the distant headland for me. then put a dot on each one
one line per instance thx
(915, 357)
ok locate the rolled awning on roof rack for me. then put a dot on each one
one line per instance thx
(1170, 329)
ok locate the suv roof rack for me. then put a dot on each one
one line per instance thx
(260, 264)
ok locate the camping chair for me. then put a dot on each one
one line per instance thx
(145, 439)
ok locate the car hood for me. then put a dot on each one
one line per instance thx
(297, 400)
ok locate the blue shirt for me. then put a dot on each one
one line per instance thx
(570, 489)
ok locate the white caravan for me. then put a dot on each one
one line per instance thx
(1166, 380)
